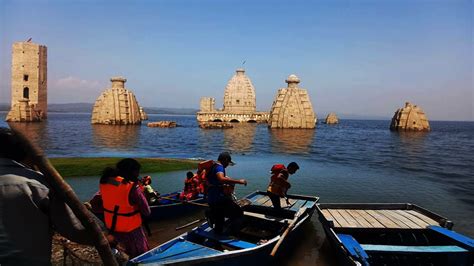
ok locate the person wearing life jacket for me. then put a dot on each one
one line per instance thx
(222, 205)
(124, 204)
(190, 187)
(279, 184)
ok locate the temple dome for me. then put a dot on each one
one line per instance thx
(410, 118)
(239, 96)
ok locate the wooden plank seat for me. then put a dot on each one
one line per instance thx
(267, 217)
(412, 249)
(224, 239)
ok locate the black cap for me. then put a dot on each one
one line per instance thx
(225, 156)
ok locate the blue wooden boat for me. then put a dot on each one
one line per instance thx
(261, 229)
(393, 234)
(169, 205)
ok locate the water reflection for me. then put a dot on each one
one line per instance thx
(291, 140)
(240, 137)
(35, 131)
(410, 143)
(115, 136)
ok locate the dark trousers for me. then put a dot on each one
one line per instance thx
(275, 200)
(226, 207)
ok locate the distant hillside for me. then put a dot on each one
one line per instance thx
(87, 108)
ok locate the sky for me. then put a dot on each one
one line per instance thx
(354, 57)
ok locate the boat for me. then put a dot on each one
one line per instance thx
(169, 205)
(393, 234)
(262, 227)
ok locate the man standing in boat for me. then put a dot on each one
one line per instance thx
(279, 184)
(221, 204)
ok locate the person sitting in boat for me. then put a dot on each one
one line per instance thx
(150, 194)
(124, 204)
(220, 204)
(191, 184)
(279, 184)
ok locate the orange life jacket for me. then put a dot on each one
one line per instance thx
(190, 185)
(119, 214)
(205, 168)
(278, 185)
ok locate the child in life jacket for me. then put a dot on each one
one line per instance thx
(279, 184)
(191, 184)
(150, 194)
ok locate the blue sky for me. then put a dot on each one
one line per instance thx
(354, 57)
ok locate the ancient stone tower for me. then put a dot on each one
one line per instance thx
(117, 106)
(292, 107)
(410, 118)
(207, 104)
(331, 119)
(239, 96)
(29, 83)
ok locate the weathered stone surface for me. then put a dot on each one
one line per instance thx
(239, 103)
(331, 119)
(410, 118)
(29, 81)
(215, 125)
(117, 106)
(162, 124)
(292, 107)
(143, 115)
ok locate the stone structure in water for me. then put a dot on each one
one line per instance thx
(292, 107)
(117, 106)
(29, 83)
(410, 118)
(239, 103)
(331, 119)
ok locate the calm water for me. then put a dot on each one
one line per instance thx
(355, 161)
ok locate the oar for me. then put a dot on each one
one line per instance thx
(189, 224)
(288, 229)
(185, 202)
(65, 192)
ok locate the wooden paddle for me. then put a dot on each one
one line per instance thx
(185, 202)
(65, 193)
(189, 224)
(288, 229)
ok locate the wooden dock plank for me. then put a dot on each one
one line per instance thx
(338, 218)
(389, 215)
(328, 216)
(256, 197)
(262, 200)
(382, 219)
(285, 205)
(297, 205)
(370, 219)
(413, 218)
(349, 219)
(423, 217)
(268, 203)
(405, 220)
(359, 218)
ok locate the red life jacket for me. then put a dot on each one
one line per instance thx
(119, 214)
(277, 185)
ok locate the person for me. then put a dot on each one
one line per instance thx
(222, 205)
(279, 184)
(30, 211)
(150, 194)
(190, 190)
(124, 204)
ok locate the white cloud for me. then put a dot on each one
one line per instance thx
(74, 89)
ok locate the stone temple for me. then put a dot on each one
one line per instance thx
(331, 119)
(292, 107)
(29, 83)
(410, 118)
(239, 103)
(117, 106)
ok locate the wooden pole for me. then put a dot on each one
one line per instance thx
(65, 193)
(288, 229)
(189, 224)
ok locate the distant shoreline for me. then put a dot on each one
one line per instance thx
(93, 166)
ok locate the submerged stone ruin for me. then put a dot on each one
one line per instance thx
(410, 118)
(331, 119)
(292, 107)
(117, 106)
(239, 103)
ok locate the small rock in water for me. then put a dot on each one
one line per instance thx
(162, 124)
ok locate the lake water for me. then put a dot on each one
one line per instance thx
(354, 161)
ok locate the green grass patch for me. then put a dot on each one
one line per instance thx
(70, 167)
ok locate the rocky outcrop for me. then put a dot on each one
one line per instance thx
(292, 107)
(162, 124)
(215, 125)
(331, 119)
(117, 106)
(410, 118)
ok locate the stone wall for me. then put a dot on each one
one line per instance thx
(410, 118)
(207, 104)
(29, 82)
(292, 107)
(221, 116)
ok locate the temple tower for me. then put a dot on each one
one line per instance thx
(29, 82)
(292, 107)
(410, 118)
(117, 106)
(331, 119)
(207, 104)
(239, 94)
